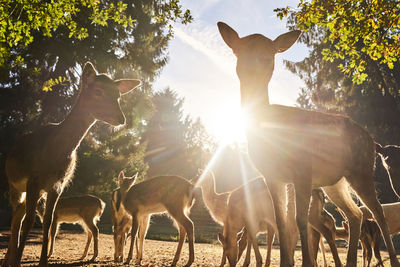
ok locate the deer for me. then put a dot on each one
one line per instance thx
(307, 148)
(390, 156)
(169, 193)
(121, 220)
(85, 210)
(43, 162)
(217, 205)
(370, 240)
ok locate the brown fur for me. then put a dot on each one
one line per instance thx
(85, 210)
(44, 161)
(307, 148)
(172, 194)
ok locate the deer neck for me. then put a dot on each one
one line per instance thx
(254, 94)
(210, 196)
(74, 128)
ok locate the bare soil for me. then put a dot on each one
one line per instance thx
(69, 247)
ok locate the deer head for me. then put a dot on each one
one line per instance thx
(230, 245)
(255, 55)
(100, 95)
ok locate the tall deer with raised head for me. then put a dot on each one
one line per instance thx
(44, 161)
(85, 210)
(172, 194)
(307, 148)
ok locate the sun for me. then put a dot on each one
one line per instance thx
(228, 125)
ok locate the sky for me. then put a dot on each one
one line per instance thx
(201, 67)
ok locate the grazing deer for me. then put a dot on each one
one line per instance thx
(390, 156)
(217, 205)
(85, 210)
(44, 161)
(172, 194)
(246, 210)
(310, 149)
(370, 238)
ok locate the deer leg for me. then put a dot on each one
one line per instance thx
(365, 189)
(135, 226)
(95, 232)
(253, 239)
(340, 195)
(377, 252)
(314, 239)
(88, 241)
(51, 202)
(242, 242)
(182, 237)
(303, 196)
(246, 261)
(183, 221)
(18, 215)
(322, 248)
(32, 197)
(53, 234)
(144, 224)
(270, 240)
(278, 193)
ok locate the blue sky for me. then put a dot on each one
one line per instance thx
(201, 67)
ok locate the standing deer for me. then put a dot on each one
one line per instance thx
(85, 210)
(217, 205)
(44, 161)
(172, 194)
(310, 149)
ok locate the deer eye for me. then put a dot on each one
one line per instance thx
(98, 92)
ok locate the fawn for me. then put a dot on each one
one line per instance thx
(217, 205)
(44, 161)
(85, 210)
(370, 238)
(172, 194)
(309, 149)
(121, 220)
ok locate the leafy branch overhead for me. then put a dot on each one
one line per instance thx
(22, 20)
(358, 30)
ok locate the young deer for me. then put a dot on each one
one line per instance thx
(370, 238)
(85, 210)
(121, 220)
(44, 161)
(310, 149)
(172, 194)
(390, 156)
(217, 205)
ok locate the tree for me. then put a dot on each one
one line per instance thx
(122, 50)
(359, 31)
(175, 145)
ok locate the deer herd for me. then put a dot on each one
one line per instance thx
(304, 157)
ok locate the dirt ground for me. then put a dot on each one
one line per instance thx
(70, 244)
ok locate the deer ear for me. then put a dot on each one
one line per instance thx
(221, 238)
(121, 177)
(126, 85)
(133, 179)
(284, 41)
(88, 72)
(229, 35)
